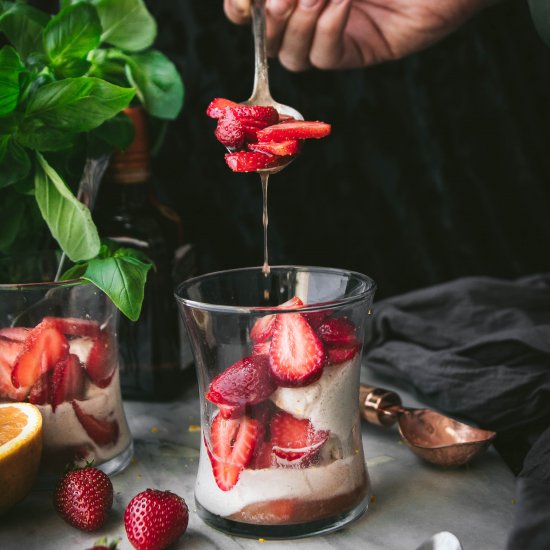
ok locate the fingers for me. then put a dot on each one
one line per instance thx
(237, 11)
(277, 15)
(328, 46)
(294, 53)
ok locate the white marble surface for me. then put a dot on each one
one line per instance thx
(413, 500)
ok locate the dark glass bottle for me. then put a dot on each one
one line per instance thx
(154, 352)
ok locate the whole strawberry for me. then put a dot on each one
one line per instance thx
(155, 519)
(83, 498)
(104, 544)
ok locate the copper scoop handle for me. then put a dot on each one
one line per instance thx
(379, 406)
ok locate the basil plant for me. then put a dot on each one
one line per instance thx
(64, 82)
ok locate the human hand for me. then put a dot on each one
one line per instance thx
(337, 34)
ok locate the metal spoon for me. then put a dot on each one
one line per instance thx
(260, 91)
(432, 436)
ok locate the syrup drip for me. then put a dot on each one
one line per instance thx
(264, 177)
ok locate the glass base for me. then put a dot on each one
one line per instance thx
(119, 462)
(46, 481)
(287, 531)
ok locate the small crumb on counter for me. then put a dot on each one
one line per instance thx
(154, 429)
(373, 499)
(261, 540)
(194, 428)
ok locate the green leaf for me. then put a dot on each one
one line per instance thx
(10, 69)
(116, 133)
(15, 164)
(121, 275)
(158, 83)
(540, 11)
(36, 135)
(126, 24)
(70, 222)
(72, 34)
(12, 209)
(23, 25)
(78, 104)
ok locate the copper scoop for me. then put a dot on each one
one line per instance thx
(430, 435)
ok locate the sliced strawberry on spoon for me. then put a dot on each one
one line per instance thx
(298, 129)
(259, 115)
(296, 354)
(229, 131)
(217, 106)
(67, 381)
(247, 161)
(101, 430)
(43, 349)
(280, 148)
(246, 382)
(233, 444)
(294, 439)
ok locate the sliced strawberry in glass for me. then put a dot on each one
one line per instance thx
(232, 445)
(340, 355)
(231, 411)
(102, 360)
(263, 327)
(296, 354)
(263, 457)
(338, 331)
(67, 381)
(10, 350)
(294, 439)
(43, 349)
(40, 392)
(19, 334)
(7, 389)
(261, 348)
(246, 382)
(102, 431)
(73, 326)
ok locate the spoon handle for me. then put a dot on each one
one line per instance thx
(260, 91)
(379, 406)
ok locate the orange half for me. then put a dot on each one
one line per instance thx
(20, 450)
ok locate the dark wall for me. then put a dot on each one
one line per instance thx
(438, 165)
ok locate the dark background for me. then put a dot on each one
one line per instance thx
(437, 167)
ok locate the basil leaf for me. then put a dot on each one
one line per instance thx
(72, 33)
(72, 67)
(36, 135)
(10, 69)
(157, 82)
(123, 279)
(117, 133)
(126, 24)
(23, 25)
(540, 11)
(12, 209)
(69, 221)
(78, 104)
(15, 164)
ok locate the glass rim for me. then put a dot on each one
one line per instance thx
(221, 308)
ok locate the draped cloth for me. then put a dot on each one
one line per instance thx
(478, 349)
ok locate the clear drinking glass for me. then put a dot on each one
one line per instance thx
(58, 350)
(278, 362)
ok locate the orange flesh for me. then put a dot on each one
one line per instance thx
(12, 423)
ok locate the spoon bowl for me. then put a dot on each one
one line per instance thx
(261, 94)
(432, 436)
